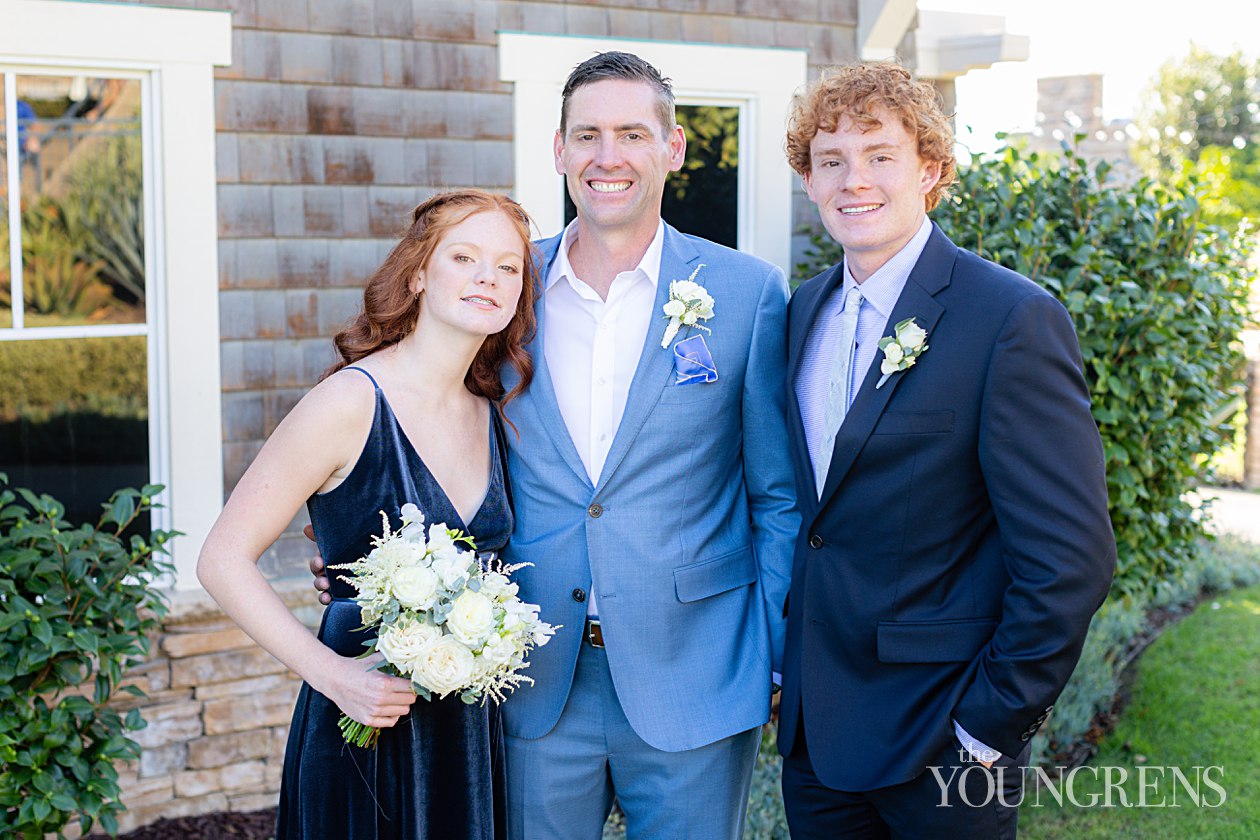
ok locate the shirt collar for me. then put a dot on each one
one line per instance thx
(884, 286)
(649, 266)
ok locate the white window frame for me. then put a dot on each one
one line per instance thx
(173, 52)
(760, 81)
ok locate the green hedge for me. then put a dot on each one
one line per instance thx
(46, 377)
(1159, 300)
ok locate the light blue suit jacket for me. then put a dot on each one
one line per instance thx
(692, 546)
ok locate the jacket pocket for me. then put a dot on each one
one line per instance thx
(711, 577)
(914, 423)
(933, 641)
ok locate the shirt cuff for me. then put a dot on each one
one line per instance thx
(776, 678)
(979, 750)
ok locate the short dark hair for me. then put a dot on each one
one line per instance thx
(625, 66)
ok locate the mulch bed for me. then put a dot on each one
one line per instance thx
(255, 825)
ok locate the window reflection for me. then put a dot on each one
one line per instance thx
(6, 308)
(82, 192)
(74, 418)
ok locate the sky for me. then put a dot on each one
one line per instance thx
(1125, 40)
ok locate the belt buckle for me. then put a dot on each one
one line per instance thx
(594, 634)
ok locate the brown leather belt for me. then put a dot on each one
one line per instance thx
(594, 633)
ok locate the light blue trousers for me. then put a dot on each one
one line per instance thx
(561, 786)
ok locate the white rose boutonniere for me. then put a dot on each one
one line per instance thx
(688, 304)
(901, 349)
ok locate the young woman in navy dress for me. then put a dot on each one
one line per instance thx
(410, 413)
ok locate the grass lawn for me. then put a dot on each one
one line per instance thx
(1195, 703)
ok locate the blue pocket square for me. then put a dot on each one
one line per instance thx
(693, 363)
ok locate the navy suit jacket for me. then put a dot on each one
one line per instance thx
(962, 541)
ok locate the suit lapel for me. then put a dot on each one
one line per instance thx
(542, 391)
(930, 274)
(656, 363)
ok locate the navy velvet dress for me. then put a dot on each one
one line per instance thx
(437, 774)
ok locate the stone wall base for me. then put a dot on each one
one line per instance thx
(218, 709)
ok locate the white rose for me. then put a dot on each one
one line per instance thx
(415, 587)
(912, 336)
(675, 308)
(443, 666)
(403, 643)
(684, 289)
(892, 353)
(689, 318)
(888, 368)
(451, 565)
(471, 618)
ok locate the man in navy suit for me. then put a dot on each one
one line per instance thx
(955, 538)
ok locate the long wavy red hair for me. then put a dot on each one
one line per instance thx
(391, 309)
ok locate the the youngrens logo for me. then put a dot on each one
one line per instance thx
(1200, 786)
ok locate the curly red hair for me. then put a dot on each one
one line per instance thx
(391, 309)
(858, 92)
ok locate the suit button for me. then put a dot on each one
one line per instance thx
(579, 595)
(815, 541)
(596, 510)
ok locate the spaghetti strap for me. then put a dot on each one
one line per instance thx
(365, 373)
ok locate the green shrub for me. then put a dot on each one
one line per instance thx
(104, 213)
(1158, 299)
(108, 376)
(55, 281)
(76, 608)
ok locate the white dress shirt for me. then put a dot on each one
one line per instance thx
(592, 348)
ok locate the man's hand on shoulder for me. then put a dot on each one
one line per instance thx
(317, 569)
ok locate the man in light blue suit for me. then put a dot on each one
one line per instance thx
(654, 494)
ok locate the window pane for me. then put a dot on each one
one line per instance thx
(82, 201)
(74, 419)
(6, 309)
(703, 197)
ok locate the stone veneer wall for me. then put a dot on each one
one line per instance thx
(218, 710)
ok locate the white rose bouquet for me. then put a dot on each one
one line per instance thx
(445, 619)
